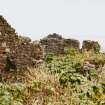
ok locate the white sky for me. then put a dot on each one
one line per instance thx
(80, 19)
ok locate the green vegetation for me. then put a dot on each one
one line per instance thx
(60, 80)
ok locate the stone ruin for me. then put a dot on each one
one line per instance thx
(54, 43)
(19, 52)
(16, 52)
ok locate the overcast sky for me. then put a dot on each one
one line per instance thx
(80, 19)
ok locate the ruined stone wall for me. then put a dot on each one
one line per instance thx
(25, 54)
(16, 52)
(53, 43)
(90, 45)
(72, 43)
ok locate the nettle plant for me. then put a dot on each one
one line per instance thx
(12, 94)
(68, 69)
(49, 58)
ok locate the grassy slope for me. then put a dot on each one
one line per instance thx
(43, 85)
